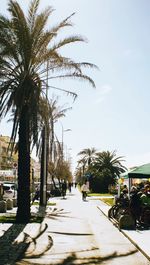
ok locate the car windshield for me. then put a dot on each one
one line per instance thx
(6, 187)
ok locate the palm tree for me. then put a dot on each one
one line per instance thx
(26, 48)
(82, 165)
(107, 160)
(50, 113)
(88, 154)
(55, 113)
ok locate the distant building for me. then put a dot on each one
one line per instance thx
(6, 159)
(8, 163)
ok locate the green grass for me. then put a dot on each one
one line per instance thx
(12, 218)
(48, 204)
(99, 194)
(109, 201)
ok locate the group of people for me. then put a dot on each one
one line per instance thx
(138, 199)
(65, 186)
(62, 190)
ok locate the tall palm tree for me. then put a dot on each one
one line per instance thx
(55, 113)
(50, 113)
(82, 165)
(88, 154)
(25, 48)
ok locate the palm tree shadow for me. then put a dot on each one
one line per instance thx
(13, 250)
(55, 213)
(8, 251)
(72, 259)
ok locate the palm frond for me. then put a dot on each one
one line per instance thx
(64, 23)
(68, 40)
(81, 77)
(33, 7)
(74, 95)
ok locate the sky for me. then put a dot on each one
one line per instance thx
(116, 114)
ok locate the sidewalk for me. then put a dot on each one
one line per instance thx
(140, 238)
(73, 232)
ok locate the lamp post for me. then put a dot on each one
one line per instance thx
(68, 154)
(63, 130)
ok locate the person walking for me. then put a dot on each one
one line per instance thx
(69, 186)
(37, 194)
(84, 190)
(64, 188)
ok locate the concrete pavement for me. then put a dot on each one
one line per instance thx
(140, 238)
(73, 232)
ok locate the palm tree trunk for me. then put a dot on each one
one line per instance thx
(51, 155)
(43, 177)
(23, 199)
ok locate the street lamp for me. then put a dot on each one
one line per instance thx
(63, 130)
(68, 153)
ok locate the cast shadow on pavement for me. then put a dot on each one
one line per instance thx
(72, 259)
(55, 213)
(13, 250)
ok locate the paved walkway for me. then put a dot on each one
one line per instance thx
(73, 232)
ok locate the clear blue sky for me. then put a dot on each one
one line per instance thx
(115, 115)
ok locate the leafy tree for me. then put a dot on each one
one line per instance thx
(63, 171)
(27, 53)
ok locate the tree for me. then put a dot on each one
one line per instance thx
(82, 165)
(106, 167)
(85, 163)
(27, 53)
(88, 154)
(50, 113)
(55, 113)
(109, 160)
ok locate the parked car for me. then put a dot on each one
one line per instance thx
(9, 191)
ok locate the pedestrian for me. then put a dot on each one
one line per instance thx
(63, 188)
(37, 194)
(84, 190)
(69, 186)
(75, 184)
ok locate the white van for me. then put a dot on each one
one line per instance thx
(9, 190)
